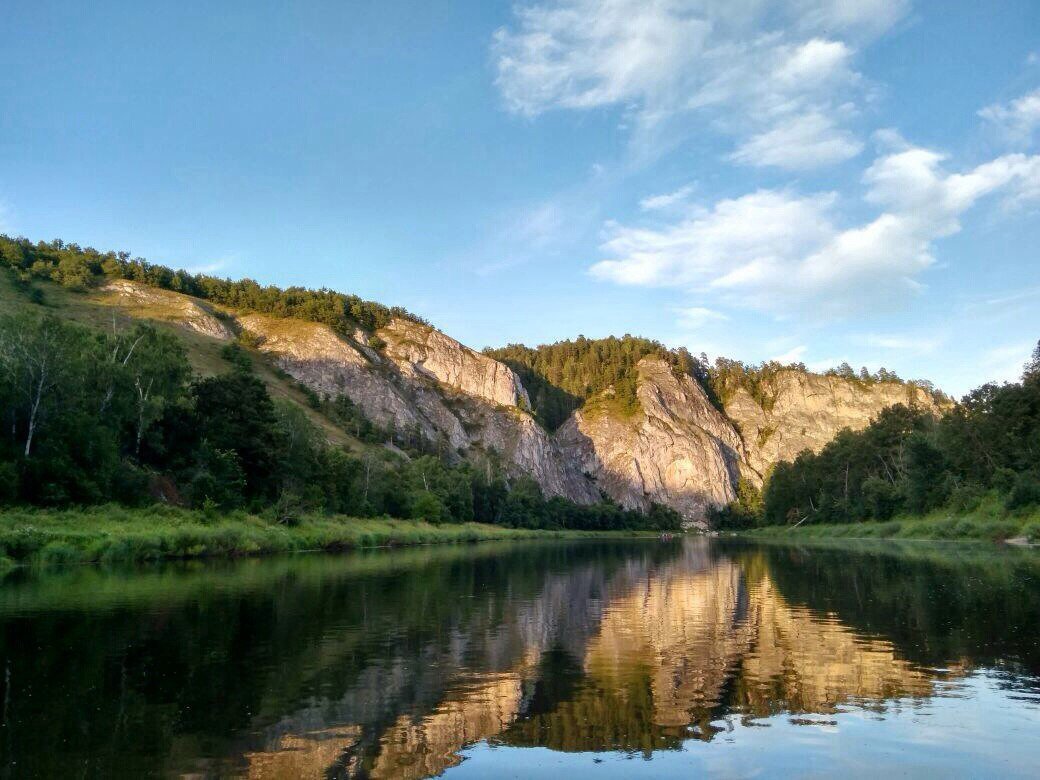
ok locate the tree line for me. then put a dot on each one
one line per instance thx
(90, 416)
(910, 461)
(80, 268)
(560, 377)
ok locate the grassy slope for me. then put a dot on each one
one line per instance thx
(97, 310)
(117, 534)
(989, 521)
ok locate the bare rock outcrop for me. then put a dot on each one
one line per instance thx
(430, 383)
(796, 411)
(421, 350)
(154, 303)
(314, 355)
(676, 450)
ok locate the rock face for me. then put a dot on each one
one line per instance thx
(430, 383)
(419, 350)
(144, 301)
(677, 450)
(799, 411)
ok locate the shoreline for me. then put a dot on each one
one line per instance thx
(1012, 531)
(116, 534)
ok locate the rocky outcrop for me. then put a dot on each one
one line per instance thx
(146, 302)
(676, 449)
(332, 366)
(419, 350)
(426, 382)
(796, 411)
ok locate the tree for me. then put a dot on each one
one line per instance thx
(38, 358)
(1031, 373)
(235, 414)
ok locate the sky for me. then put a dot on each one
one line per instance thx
(811, 180)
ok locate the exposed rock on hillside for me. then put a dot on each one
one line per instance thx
(427, 382)
(672, 448)
(331, 366)
(152, 303)
(676, 450)
(419, 349)
(796, 411)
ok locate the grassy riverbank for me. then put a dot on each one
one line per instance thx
(988, 522)
(117, 534)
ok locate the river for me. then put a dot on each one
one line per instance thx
(600, 659)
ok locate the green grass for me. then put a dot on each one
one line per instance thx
(989, 521)
(114, 534)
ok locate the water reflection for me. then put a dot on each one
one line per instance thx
(390, 665)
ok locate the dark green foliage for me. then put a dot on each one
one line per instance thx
(745, 512)
(79, 268)
(560, 377)
(235, 414)
(907, 461)
(234, 354)
(89, 417)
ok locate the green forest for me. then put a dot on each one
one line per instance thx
(560, 377)
(80, 268)
(91, 417)
(910, 462)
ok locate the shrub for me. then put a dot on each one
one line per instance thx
(1025, 492)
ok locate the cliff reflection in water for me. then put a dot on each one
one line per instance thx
(638, 660)
(386, 667)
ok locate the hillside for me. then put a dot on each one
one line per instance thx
(621, 417)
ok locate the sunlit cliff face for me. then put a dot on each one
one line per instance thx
(669, 650)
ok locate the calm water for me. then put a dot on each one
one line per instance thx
(600, 660)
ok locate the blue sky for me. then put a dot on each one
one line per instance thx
(820, 180)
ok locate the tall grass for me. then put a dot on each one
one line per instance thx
(118, 534)
(989, 521)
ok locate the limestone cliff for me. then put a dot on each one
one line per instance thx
(676, 449)
(427, 382)
(796, 411)
(673, 447)
(419, 350)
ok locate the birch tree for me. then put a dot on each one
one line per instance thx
(36, 358)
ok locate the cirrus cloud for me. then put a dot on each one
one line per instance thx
(757, 68)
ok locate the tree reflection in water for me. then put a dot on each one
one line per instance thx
(389, 664)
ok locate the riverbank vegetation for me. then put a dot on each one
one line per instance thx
(117, 534)
(973, 472)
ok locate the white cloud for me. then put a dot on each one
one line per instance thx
(801, 142)
(1017, 120)
(697, 317)
(666, 200)
(1005, 363)
(778, 251)
(214, 266)
(793, 355)
(904, 343)
(755, 67)
(868, 17)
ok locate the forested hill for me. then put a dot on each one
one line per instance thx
(116, 387)
(560, 377)
(80, 268)
(366, 387)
